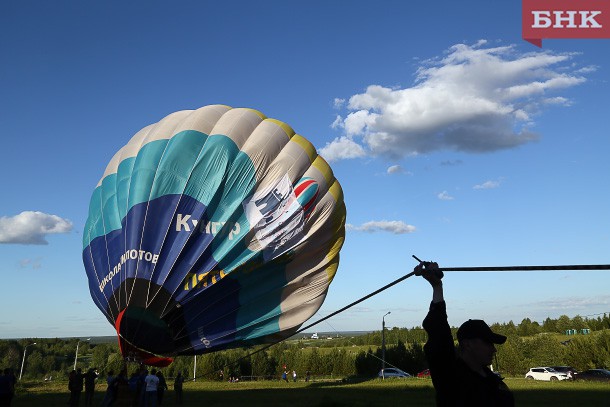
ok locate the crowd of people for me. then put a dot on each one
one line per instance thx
(143, 389)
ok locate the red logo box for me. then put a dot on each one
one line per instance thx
(543, 19)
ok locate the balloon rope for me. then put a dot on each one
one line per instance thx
(398, 280)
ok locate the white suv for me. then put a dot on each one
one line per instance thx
(545, 373)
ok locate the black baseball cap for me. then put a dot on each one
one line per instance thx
(477, 328)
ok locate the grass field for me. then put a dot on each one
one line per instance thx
(405, 392)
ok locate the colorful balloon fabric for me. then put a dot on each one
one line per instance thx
(212, 229)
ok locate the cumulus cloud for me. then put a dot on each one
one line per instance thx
(474, 99)
(487, 185)
(342, 148)
(393, 226)
(444, 196)
(31, 228)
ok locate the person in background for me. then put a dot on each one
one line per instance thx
(123, 394)
(151, 385)
(462, 377)
(5, 388)
(178, 387)
(90, 378)
(75, 385)
(161, 387)
(137, 381)
(111, 390)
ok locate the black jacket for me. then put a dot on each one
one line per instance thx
(455, 383)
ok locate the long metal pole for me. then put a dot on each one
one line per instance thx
(575, 267)
(23, 360)
(76, 354)
(383, 346)
(195, 369)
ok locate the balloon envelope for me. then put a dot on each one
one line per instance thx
(211, 229)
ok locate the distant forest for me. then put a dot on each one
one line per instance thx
(530, 344)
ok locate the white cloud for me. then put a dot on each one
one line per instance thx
(397, 169)
(393, 226)
(31, 227)
(338, 123)
(487, 185)
(341, 148)
(338, 103)
(475, 99)
(355, 123)
(587, 69)
(444, 196)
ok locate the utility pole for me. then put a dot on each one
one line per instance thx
(76, 354)
(383, 345)
(195, 369)
(23, 360)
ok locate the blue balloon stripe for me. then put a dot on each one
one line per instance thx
(209, 172)
(144, 170)
(176, 164)
(90, 230)
(124, 171)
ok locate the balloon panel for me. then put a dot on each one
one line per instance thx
(212, 229)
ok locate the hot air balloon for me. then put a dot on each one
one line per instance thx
(212, 229)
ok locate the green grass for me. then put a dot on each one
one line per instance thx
(406, 392)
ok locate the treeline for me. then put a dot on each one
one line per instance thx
(525, 328)
(513, 358)
(529, 344)
(582, 352)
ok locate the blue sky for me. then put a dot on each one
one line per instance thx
(453, 139)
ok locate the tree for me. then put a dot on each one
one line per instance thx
(33, 364)
(549, 325)
(528, 328)
(563, 324)
(509, 359)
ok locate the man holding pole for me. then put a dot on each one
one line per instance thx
(462, 377)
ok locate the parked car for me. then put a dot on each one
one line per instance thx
(545, 373)
(601, 375)
(569, 370)
(392, 372)
(424, 373)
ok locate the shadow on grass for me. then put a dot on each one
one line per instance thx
(320, 394)
(563, 397)
(368, 393)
